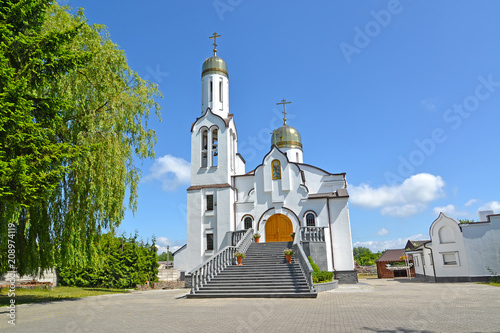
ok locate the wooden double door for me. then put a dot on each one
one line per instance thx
(278, 229)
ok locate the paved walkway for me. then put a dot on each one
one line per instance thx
(371, 306)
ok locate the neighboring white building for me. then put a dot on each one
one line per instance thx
(278, 197)
(459, 251)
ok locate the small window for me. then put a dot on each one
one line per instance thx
(210, 202)
(220, 91)
(297, 155)
(211, 91)
(431, 261)
(449, 259)
(248, 223)
(310, 220)
(210, 242)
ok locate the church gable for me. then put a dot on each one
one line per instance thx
(278, 177)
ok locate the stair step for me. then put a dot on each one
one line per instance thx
(255, 283)
(256, 289)
(263, 278)
(253, 295)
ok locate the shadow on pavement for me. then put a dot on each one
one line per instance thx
(397, 330)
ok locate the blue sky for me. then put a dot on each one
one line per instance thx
(403, 96)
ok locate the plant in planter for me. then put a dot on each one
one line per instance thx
(239, 257)
(288, 254)
(292, 235)
(256, 237)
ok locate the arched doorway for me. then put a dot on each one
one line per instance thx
(278, 228)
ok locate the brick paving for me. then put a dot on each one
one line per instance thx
(372, 306)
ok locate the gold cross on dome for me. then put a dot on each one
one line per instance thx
(283, 102)
(214, 36)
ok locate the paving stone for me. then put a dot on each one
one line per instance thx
(373, 305)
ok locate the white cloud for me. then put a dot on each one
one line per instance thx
(406, 199)
(163, 242)
(492, 205)
(403, 211)
(397, 243)
(470, 202)
(382, 232)
(451, 210)
(171, 171)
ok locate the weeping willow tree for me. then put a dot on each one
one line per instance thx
(74, 118)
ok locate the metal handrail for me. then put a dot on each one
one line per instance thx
(211, 267)
(304, 264)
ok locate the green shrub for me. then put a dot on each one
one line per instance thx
(313, 265)
(322, 276)
(124, 263)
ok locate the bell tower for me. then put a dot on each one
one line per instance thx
(211, 196)
(215, 84)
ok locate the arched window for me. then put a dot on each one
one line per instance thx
(204, 147)
(310, 220)
(248, 222)
(215, 151)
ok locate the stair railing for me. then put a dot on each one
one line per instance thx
(312, 234)
(211, 267)
(304, 264)
(237, 236)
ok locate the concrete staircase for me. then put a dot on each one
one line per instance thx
(265, 273)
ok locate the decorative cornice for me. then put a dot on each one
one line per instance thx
(340, 193)
(199, 187)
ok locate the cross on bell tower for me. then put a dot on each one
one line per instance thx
(215, 36)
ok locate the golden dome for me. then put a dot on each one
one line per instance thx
(286, 137)
(214, 65)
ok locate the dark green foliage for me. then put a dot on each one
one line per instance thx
(364, 256)
(313, 265)
(124, 263)
(318, 275)
(166, 257)
(322, 276)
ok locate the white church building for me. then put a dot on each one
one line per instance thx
(280, 196)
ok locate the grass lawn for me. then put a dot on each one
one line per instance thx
(24, 296)
(496, 284)
(367, 276)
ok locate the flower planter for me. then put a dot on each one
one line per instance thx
(257, 240)
(289, 258)
(239, 260)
